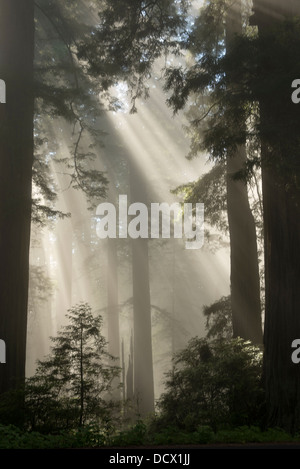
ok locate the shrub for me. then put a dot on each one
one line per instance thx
(213, 384)
(12, 437)
(135, 435)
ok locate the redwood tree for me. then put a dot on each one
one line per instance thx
(280, 149)
(16, 160)
(244, 271)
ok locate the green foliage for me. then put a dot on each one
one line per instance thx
(130, 36)
(12, 437)
(65, 98)
(173, 435)
(213, 383)
(208, 89)
(223, 88)
(12, 407)
(71, 387)
(135, 435)
(261, 69)
(219, 319)
(211, 190)
(148, 434)
(251, 434)
(205, 435)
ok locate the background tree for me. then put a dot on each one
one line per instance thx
(215, 29)
(134, 31)
(142, 333)
(139, 33)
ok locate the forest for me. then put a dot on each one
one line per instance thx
(150, 223)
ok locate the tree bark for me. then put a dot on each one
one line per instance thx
(16, 158)
(244, 275)
(281, 207)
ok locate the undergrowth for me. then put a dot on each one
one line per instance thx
(138, 435)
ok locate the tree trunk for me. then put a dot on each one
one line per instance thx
(282, 320)
(63, 277)
(112, 300)
(244, 276)
(129, 374)
(113, 323)
(281, 197)
(16, 158)
(142, 349)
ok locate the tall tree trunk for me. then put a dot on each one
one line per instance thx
(113, 311)
(63, 251)
(244, 274)
(129, 374)
(142, 349)
(244, 277)
(281, 206)
(112, 299)
(282, 305)
(16, 158)
(113, 323)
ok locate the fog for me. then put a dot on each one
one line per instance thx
(75, 260)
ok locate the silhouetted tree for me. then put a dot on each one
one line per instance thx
(34, 90)
(16, 160)
(277, 65)
(72, 386)
(244, 272)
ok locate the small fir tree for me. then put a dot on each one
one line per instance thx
(71, 386)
